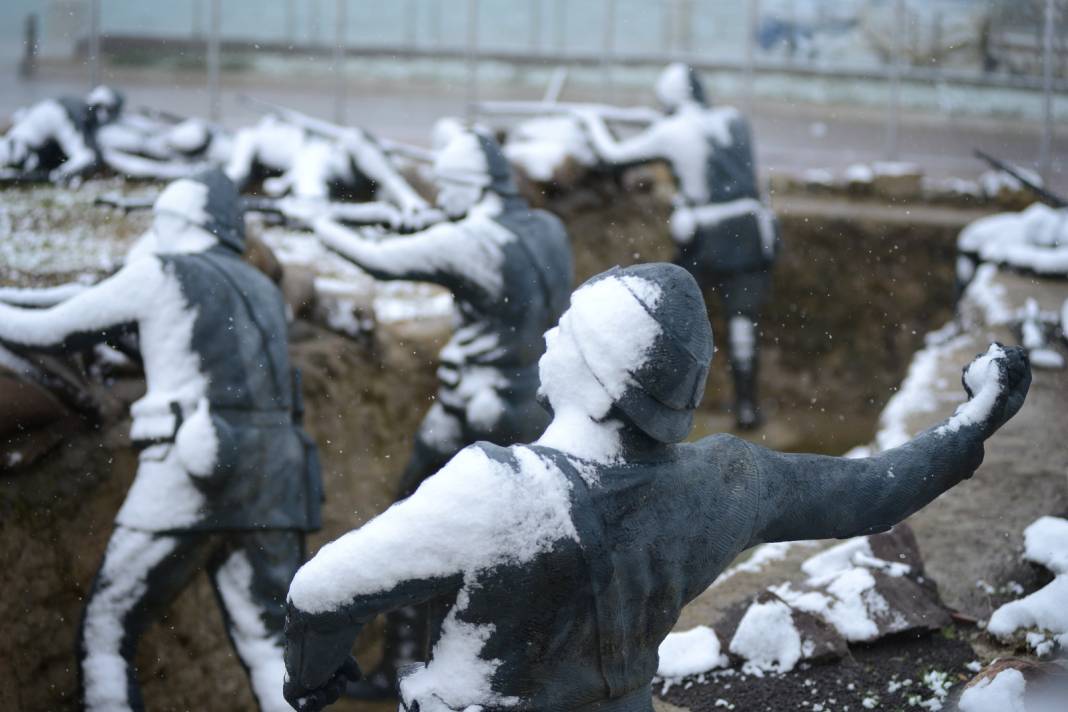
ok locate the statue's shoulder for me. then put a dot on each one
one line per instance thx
(723, 449)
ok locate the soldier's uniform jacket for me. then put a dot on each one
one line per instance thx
(584, 568)
(212, 331)
(735, 231)
(510, 273)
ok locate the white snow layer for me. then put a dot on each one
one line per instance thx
(541, 146)
(983, 378)
(767, 638)
(475, 513)
(691, 652)
(602, 339)
(1045, 543)
(1035, 239)
(1001, 693)
(846, 599)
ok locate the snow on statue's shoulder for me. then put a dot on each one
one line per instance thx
(1001, 693)
(476, 513)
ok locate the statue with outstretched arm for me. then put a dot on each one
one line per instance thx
(509, 269)
(227, 479)
(725, 235)
(57, 138)
(555, 569)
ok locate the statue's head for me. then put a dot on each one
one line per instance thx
(444, 130)
(634, 345)
(105, 103)
(677, 85)
(188, 137)
(194, 214)
(469, 165)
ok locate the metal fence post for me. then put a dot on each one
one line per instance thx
(341, 21)
(1045, 150)
(752, 22)
(893, 108)
(607, 48)
(411, 22)
(472, 59)
(535, 26)
(94, 43)
(214, 29)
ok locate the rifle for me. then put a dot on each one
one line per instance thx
(633, 115)
(373, 214)
(1048, 196)
(17, 178)
(336, 132)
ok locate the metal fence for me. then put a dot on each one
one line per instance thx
(878, 46)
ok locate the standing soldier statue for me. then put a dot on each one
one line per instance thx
(227, 478)
(555, 570)
(509, 269)
(726, 237)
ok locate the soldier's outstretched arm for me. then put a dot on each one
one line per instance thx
(439, 254)
(373, 161)
(89, 316)
(819, 497)
(645, 146)
(419, 549)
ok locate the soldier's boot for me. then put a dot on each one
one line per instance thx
(403, 644)
(742, 344)
(746, 409)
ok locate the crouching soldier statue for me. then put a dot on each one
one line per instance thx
(57, 138)
(556, 569)
(726, 237)
(509, 269)
(227, 479)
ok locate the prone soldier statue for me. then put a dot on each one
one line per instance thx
(57, 138)
(509, 268)
(226, 479)
(555, 570)
(726, 237)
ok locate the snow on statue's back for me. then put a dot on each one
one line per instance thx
(559, 567)
(225, 474)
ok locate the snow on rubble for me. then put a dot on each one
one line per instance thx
(1042, 615)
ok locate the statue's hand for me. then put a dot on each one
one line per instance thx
(416, 218)
(305, 700)
(996, 383)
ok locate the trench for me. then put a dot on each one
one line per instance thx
(858, 285)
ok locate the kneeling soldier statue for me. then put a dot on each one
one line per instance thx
(554, 570)
(227, 478)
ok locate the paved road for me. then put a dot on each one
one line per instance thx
(790, 137)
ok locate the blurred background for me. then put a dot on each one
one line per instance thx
(828, 83)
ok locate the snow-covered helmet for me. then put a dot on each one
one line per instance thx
(105, 103)
(679, 84)
(660, 305)
(445, 130)
(475, 158)
(209, 200)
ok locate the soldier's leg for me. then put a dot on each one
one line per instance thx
(439, 438)
(743, 294)
(140, 576)
(251, 576)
